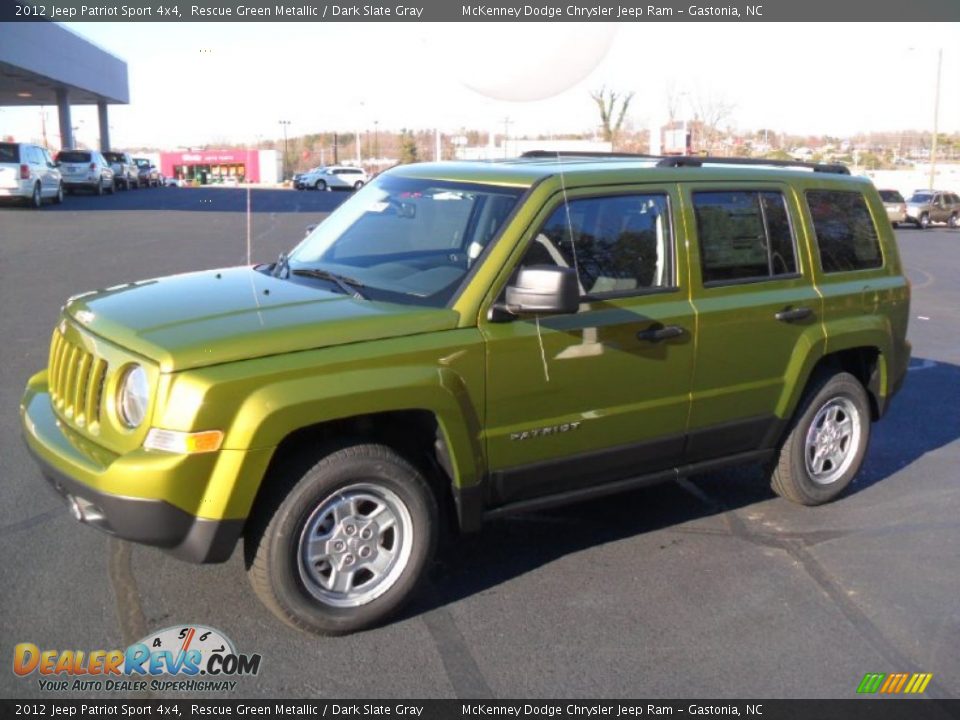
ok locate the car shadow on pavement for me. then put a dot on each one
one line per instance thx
(923, 417)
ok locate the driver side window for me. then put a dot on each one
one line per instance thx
(619, 244)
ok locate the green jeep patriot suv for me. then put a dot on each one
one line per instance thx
(458, 341)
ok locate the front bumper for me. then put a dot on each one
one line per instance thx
(132, 496)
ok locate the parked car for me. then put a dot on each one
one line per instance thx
(28, 174)
(334, 177)
(929, 206)
(125, 172)
(86, 170)
(462, 341)
(148, 172)
(895, 206)
(174, 182)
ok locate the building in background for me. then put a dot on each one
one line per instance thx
(214, 166)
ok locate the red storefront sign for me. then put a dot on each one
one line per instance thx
(250, 159)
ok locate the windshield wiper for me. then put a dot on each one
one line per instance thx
(347, 284)
(281, 266)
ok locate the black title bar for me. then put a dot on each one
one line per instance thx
(473, 11)
(855, 709)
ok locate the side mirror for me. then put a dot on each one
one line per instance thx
(544, 290)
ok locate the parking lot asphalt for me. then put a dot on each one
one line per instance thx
(708, 587)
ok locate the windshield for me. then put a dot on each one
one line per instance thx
(113, 157)
(407, 240)
(141, 162)
(921, 198)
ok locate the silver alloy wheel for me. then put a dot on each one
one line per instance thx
(833, 440)
(355, 545)
(924, 221)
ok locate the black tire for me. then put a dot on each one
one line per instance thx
(895, 225)
(58, 198)
(99, 189)
(954, 221)
(296, 498)
(113, 186)
(320, 185)
(791, 477)
(924, 222)
(358, 184)
(35, 200)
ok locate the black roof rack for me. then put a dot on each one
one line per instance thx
(585, 154)
(696, 161)
(693, 160)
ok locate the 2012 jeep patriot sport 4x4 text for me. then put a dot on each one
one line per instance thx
(468, 340)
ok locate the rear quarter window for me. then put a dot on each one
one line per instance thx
(891, 196)
(846, 236)
(9, 153)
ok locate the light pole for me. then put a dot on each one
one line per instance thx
(936, 119)
(357, 135)
(284, 124)
(376, 138)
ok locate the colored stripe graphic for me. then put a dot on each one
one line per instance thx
(894, 683)
(922, 685)
(871, 682)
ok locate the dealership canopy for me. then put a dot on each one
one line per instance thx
(45, 64)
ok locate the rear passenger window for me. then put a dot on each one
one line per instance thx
(744, 235)
(845, 232)
(619, 244)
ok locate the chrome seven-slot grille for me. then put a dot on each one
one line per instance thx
(76, 381)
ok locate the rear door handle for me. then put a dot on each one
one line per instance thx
(794, 314)
(659, 332)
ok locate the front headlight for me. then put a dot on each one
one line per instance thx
(133, 397)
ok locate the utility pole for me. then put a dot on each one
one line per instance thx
(376, 138)
(936, 123)
(506, 134)
(437, 155)
(284, 124)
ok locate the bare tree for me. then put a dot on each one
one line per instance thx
(713, 111)
(673, 96)
(607, 104)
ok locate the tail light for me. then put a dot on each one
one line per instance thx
(93, 166)
(24, 172)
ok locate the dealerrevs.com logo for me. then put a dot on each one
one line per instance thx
(189, 658)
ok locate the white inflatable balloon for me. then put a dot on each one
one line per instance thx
(521, 61)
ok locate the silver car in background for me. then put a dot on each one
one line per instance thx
(28, 173)
(895, 205)
(125, 173)
(86, 170)
(930, 206)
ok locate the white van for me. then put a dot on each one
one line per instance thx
(28, 173)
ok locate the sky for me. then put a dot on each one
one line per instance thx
(231, 83)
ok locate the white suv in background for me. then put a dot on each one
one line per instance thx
(86, 169)
(28, 173)
(333, 177)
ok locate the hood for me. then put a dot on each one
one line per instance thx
(217, 316)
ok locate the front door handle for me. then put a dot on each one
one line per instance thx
(794, 314)
(660, 332)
